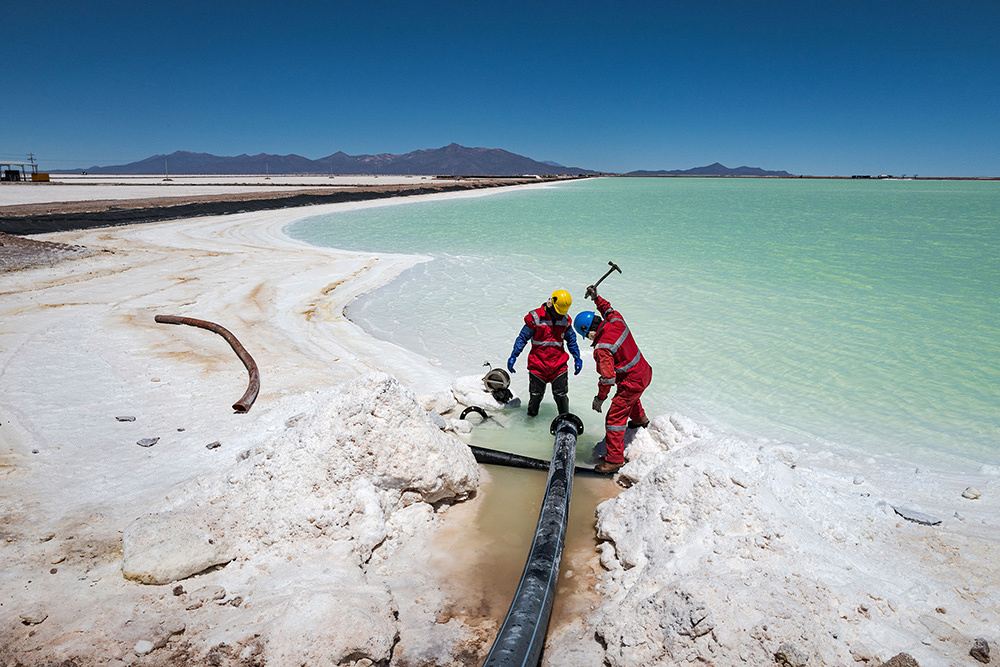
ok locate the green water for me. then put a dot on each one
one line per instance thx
(861, 314)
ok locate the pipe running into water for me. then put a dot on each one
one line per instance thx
(511, 460)
(522, 635)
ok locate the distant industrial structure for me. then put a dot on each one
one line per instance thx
(19, 171)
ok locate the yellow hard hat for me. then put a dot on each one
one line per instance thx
(561, 301)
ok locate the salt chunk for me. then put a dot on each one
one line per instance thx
(461, 425)
(788, 655)
(33, 617)
(208, 594)
(142, 647)
(971, 493)
(164, 547)
(915, 516)
(295, 419)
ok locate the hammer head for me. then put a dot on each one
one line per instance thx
(614, 266)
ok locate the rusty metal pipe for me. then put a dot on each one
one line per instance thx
(242, 405)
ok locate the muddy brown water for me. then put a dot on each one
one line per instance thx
(489, 539)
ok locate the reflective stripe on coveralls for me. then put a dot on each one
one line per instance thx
(547, 357)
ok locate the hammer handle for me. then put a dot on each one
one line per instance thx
(603, 277)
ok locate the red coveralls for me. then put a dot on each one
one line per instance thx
(547, 357)
(619, 362)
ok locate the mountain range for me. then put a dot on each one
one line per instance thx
(714, 169)
(452, 159)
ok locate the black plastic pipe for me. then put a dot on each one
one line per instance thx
(522, 635)
(496, 457)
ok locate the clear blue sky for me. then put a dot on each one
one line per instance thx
(812, 87)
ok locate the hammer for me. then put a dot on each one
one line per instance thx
(592, 290)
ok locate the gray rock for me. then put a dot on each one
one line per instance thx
(980, 650)
(971, 493)
(915, 516)
(789, 656)
(125, 419)
(147, 442)
(213, 445)
(437, 419)
(900, 660)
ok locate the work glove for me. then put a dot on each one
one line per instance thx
(577, 365)
(510, 363)
(590, 293)
(596, 405)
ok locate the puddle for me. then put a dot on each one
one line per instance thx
(488, 540)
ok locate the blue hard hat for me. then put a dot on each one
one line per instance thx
(582, 322)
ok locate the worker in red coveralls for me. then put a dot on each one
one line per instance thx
(546, 328)
(619, 362)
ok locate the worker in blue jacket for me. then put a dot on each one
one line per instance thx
(547, 328)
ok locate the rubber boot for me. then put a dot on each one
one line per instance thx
(534, 400)
(562, 403)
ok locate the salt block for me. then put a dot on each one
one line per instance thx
(165, 547)
(916, 517)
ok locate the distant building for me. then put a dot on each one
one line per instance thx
(18, 171)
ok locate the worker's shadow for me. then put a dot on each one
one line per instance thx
(601, 448)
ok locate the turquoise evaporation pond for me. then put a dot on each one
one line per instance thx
(857, 313)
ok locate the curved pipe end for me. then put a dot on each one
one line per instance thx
(566, 420)
(474, 408)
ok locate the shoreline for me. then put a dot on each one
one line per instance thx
(42, 218)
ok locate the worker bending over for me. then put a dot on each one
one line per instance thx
(546, 328)
(620, 363)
